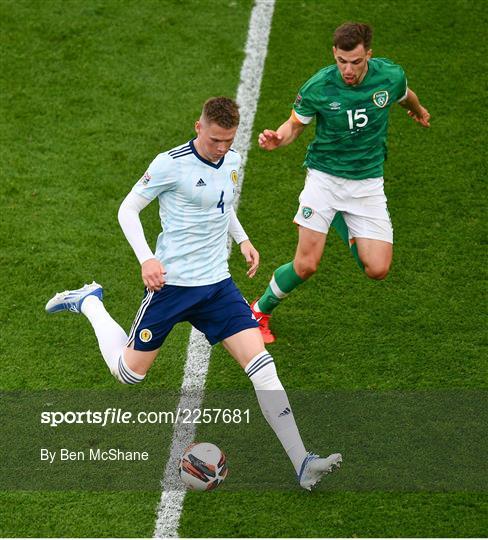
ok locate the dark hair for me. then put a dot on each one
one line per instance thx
(223, 111)
(349, 35)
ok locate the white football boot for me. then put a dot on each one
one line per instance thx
(72, 300)
(314, 467)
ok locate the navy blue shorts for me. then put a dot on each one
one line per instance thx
(218, 310)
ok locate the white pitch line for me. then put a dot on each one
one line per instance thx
(198, 353)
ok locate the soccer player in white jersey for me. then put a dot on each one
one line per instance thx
(188, 279)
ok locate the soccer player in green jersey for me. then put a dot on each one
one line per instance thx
(350, 101)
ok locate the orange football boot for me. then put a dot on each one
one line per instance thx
(263, 320)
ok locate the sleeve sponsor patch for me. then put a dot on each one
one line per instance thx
(145, 179)
(298, 100)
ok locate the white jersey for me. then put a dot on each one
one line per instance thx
(195, 198)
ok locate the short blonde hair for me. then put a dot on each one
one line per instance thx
(222, 110)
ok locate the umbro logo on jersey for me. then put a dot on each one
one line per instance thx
(335, 106)
(200, 183)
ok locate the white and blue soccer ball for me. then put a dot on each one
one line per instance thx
(203, 466)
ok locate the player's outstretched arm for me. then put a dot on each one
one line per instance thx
(251, 254)
(284, 135)
(239, 235)
(415, 110)
(151, 268)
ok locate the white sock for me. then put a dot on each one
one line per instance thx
(111, 339)
(125, 375)
(275, 406)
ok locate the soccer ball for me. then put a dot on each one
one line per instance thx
(203, 466)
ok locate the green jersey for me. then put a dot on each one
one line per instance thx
(352, 121)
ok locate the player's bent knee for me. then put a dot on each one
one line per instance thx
(124, 374)
(377, 272)
(306, 268)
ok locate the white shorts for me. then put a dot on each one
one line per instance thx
(362, 203)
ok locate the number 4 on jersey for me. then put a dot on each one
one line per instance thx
(220, 204)
(359, 117)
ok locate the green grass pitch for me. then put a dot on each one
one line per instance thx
(92, 90)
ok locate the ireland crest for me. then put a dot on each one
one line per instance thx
(380, 99)
(307, 212)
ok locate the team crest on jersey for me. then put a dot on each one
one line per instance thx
(146, 178)
(234, 177)
(145, 335)
(380, 98)
(307, 212)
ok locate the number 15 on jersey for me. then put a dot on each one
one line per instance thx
(357, 118)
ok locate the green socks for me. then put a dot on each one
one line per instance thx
(340, 226)
(284, 280)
